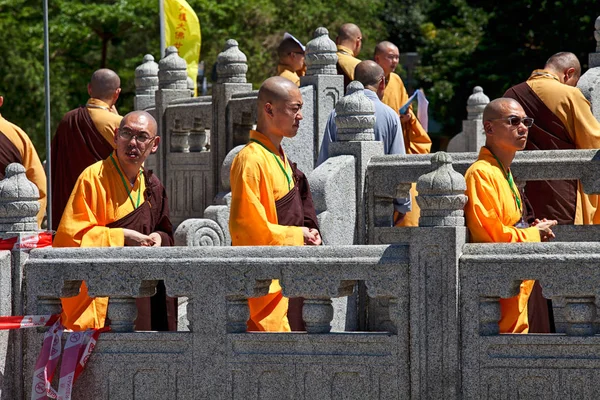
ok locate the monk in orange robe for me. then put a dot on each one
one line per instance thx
(271, 204)
(116, 203)
(84, 135)
(349, 43)
(416, 139)
(494, 212)
(15, 146)
(291, 59)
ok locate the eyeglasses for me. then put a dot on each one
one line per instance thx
(515, 121)
(140, 138)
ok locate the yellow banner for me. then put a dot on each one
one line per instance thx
(182, 30)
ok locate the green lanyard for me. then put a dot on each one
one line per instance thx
(127, 189)
(289, 180)
(511, 182)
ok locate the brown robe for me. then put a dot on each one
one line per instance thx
(9, 153)
(76, 145)
(549, 199)
(296, 208)
(159, 312)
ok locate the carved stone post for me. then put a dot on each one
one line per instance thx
(122, 313)
(172, 82)
(18, 218)
(489, 315)
(231, 71)
(434, 254)
(321, 73)
(589, 83)
(580, 313)
(472, 136)
(238, 314)
(146, 83)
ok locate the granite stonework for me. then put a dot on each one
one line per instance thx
(217, 358)
(472, 136)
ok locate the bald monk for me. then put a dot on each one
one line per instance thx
(271, 204)
(116, 203)
(495, 209)
(291, 59)
(349, 43)
(84, 135)
(563, 120)
(416, 139)
(15, 146)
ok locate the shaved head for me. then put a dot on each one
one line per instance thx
(104, 84)
(279, 109)
(349, 32)
(369, 73)
(562, 61)
(497, 108)
(141, 117)
(383, 47)
(275, 90)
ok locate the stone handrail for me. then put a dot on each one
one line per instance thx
(566, 271)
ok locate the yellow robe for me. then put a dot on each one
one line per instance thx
(99, 198)
(416, 139)
(491, 214)
(287, 73)
(31, 161)
(105, 121)
(257, 181)
(574, 111)
(347, 61)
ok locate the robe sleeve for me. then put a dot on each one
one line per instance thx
(419, 141)
(483, 209)
(248, 222)
(80, 226)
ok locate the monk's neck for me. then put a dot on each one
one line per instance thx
(505, 157)
(273, 138)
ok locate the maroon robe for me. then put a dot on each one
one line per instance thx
(159, 312)
(296, 208)
(76, 145)
(9, 153)
(549, 199)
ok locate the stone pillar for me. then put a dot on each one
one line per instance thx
(146, 83)
(434, 254)
(172, 85)
(589, 83)
(18, 218)
(321, 73)
(231, 73)
(355, 119)
(472, 136)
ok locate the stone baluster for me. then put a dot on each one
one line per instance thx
(231, 79)
(489, 315)
(595, 57)
(146, 83)
(589, 83)
(580, 314)
(179, 138)
(197, 139)
(191, 86)
(317, 314)
(441, 194)
(122, 312)
(238, 314)
(321, 73)
(18, 202)
(472, 136)
(172, 82)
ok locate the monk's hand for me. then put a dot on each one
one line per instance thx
(544, 227)
(406, 117)
(309, 235)
(157, 239)
(317, 238)
(134, 238)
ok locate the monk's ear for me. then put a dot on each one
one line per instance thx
(1, 101)
(155, 144)
(269, 109)
(89, 87)
(487, 127)
(116, 135)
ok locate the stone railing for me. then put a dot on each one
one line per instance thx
(529, 366)
(217, 358)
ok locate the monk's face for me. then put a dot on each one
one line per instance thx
(287, 113)
(388, 59)
(509, 131)
(136, 139)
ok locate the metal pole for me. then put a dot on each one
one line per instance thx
(161, 11)
(47, 85)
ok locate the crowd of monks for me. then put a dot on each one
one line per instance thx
(104, 197)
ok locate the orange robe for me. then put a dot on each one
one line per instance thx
(99, 198)
(416, 139)
(346, 63)
(287, 73)
(491, 214)
(257, 181)
(574, 111)
(30, 160)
